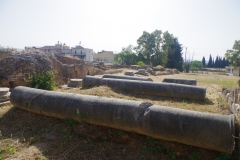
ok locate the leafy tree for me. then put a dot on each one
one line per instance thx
(146, 45)
(203, 61)
(158, 57)
(126, 56)
(234, 55)
(195, 65)
(168, 48)
(158, 48)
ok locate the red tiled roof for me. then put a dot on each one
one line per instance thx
(48, 47)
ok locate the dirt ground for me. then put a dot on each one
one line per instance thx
(24, 135)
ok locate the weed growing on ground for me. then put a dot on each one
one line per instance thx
(171, 155)
(223, 103)
(223, 156)
(110, 131)
(15, 108)
(46, 151)
(120, 133)
(6, 151)
(83, 116)
(43, 158)
(150, 146)
(70, 121)
(195, 156)
(184, 103)
(90, 143)
(67, 133)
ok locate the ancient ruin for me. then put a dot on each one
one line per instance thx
(183, 126)
(75, 83)
(181, 81)
(15, 69)
(173, 90)
(4, 96)
(232, 97)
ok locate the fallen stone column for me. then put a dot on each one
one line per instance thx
(149, 88)
(126, 77)
(210, 131)
(181, 81)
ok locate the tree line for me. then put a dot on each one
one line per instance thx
(156, 48)
(232, 58)
(219, 62)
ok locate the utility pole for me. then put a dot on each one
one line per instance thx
(186, 64)
(185, 55)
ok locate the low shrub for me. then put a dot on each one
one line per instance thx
(141, 63)
(43, 80)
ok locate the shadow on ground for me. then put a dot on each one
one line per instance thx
(26, 135)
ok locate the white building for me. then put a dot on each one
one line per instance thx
(66, 51)
(78, 51)
(229, 70)
(83, 53)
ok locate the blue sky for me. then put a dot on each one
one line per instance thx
(203, 26)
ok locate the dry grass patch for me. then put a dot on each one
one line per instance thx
(26, 135)
(213, 82)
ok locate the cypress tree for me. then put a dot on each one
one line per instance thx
(210, 62)
(223, 62)
(216, 62)
(203, 61)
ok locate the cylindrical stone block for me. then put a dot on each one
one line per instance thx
(150, 88)
(126, 77)
(181, 81)
(210, 131)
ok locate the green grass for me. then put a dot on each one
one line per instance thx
(224, 83)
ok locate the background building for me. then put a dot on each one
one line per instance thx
(104, 56)
(57, 49)
(77, 51)
(83, 53)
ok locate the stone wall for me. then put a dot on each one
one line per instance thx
(232, 98)
(66, 72)
(68, 59)
(16, 68)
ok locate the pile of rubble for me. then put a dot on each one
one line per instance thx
(156, 71)
(4, 96)
(75, 83)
